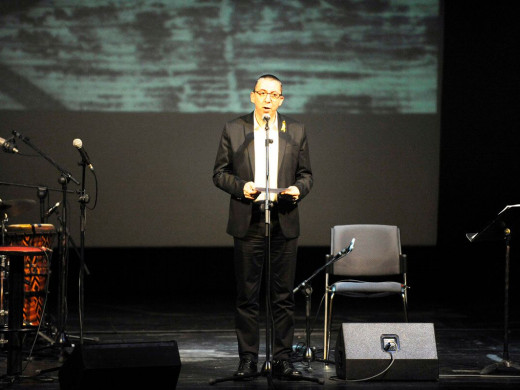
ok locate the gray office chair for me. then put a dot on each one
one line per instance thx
(376, 254)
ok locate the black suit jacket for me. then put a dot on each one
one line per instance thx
(235, 166)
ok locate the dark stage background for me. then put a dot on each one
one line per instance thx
(418, 129)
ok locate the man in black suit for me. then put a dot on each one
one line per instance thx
(240, 169)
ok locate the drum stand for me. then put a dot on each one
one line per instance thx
(16, 300)
(42, 193)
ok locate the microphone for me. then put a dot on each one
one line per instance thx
(347, 249)
(52, 210)
(266, 118)
(351, 245)
(7, 146)
(78, 144)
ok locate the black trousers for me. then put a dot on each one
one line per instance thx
(249, 255)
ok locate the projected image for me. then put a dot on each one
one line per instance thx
(357, 56)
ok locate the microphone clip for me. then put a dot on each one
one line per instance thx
(9, 145)
(267, 118)
(84, 199)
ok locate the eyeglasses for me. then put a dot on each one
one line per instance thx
(263, 94)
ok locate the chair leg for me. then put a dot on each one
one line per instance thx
(325, 322)
(404, 296)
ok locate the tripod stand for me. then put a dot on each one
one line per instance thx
(501, 227)
(63, 245)
(23, 205)
(306, 290)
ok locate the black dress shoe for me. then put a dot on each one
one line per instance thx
(284, 369)
(246, 368)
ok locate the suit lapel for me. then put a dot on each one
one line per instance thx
(249, 136)
(282, 142)
(283, 138)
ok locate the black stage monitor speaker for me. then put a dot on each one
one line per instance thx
(141, 365)
(364, 350)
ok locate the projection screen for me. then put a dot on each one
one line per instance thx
(148, 85)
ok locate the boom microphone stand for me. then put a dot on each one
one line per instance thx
(65, 177)
(306, 290)
(83, 199)
(501, 227)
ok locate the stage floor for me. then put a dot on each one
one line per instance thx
(467, 338)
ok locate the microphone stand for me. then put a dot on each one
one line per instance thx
(63, 247)
(506, 363)
(63, 250)
(306, 290)
(83, 199)
(3, 273)
(267, 369)
(501, 227)
(43, 194)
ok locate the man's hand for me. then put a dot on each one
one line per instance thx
(250, 192)
(291, 193)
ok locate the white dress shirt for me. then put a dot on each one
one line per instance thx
(260, 162)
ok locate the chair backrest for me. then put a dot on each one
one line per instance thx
(377, 250)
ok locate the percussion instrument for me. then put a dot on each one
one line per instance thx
(15, 328)
(36, 268)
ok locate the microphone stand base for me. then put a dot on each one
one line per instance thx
(267, 373)
(503, 365)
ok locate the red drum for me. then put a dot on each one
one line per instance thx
(36, 268)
